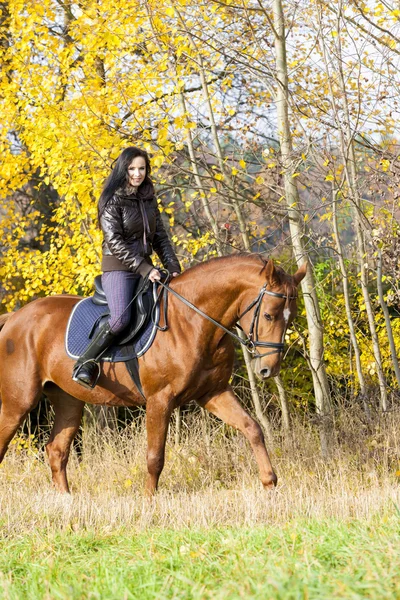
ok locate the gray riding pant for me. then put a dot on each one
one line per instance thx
(119, 288)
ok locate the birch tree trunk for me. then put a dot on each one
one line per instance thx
(388, 324)
(178, 426)
(350, 169)
(294, 206)
(284, 403)
(195, 170)
(346, 294)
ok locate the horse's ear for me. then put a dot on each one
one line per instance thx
(300, 273)
(271, 274)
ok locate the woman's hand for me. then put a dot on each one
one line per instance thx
(175, 274)
(154, 275)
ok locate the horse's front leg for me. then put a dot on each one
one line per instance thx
(158, 413)
(226, 406)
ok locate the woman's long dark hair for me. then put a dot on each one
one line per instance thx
(119, 175)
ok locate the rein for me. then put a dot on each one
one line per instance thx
(250, 343)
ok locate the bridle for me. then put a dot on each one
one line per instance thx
(251, 341)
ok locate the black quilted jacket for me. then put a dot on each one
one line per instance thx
(132, 228)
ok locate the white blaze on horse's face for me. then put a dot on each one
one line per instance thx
(286, 314)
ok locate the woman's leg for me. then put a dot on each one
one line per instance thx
(119, 288)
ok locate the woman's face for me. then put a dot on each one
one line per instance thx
(137, 171)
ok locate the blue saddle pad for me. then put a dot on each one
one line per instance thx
(80, 324)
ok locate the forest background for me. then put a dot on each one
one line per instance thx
(271, 129)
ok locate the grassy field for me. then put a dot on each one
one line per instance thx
(301, 559)
(330, 529)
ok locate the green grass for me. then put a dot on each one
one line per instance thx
(302, 559)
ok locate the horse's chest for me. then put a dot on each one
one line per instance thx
(213, 372)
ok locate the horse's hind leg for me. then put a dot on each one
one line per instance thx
(68, 415)
(226, 406)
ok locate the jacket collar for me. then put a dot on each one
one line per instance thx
(144, 192)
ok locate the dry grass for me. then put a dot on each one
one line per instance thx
(210, 480)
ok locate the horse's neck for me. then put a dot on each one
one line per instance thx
(217, 291)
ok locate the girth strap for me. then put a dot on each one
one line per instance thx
(133, 370)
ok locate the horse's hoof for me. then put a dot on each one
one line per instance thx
(271, 482)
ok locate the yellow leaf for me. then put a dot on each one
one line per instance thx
(170, 12)
(385, 164)
(158, 160)
(242, 163)
(234, 171)
(329, 177)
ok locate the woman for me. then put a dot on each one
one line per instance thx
(132, 228)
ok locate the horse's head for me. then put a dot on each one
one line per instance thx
(265, 317)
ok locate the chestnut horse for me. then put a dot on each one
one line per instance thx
(192, 360)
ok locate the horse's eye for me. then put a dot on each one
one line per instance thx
(267, 316)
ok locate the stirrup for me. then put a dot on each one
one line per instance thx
(77, 368)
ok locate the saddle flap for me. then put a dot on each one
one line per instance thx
(141, 312)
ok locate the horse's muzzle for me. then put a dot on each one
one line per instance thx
(264, 372)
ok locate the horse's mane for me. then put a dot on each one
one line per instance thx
(231, 258)
(257, 260)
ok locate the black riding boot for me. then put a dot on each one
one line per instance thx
(86, 370)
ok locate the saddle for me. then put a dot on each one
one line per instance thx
(141, 312)
(88, 314)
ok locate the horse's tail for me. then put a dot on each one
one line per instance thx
(3, 319)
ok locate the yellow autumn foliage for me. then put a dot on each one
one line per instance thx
(81, 81)
(80, 84)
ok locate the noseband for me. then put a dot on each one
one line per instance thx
(251, 342)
